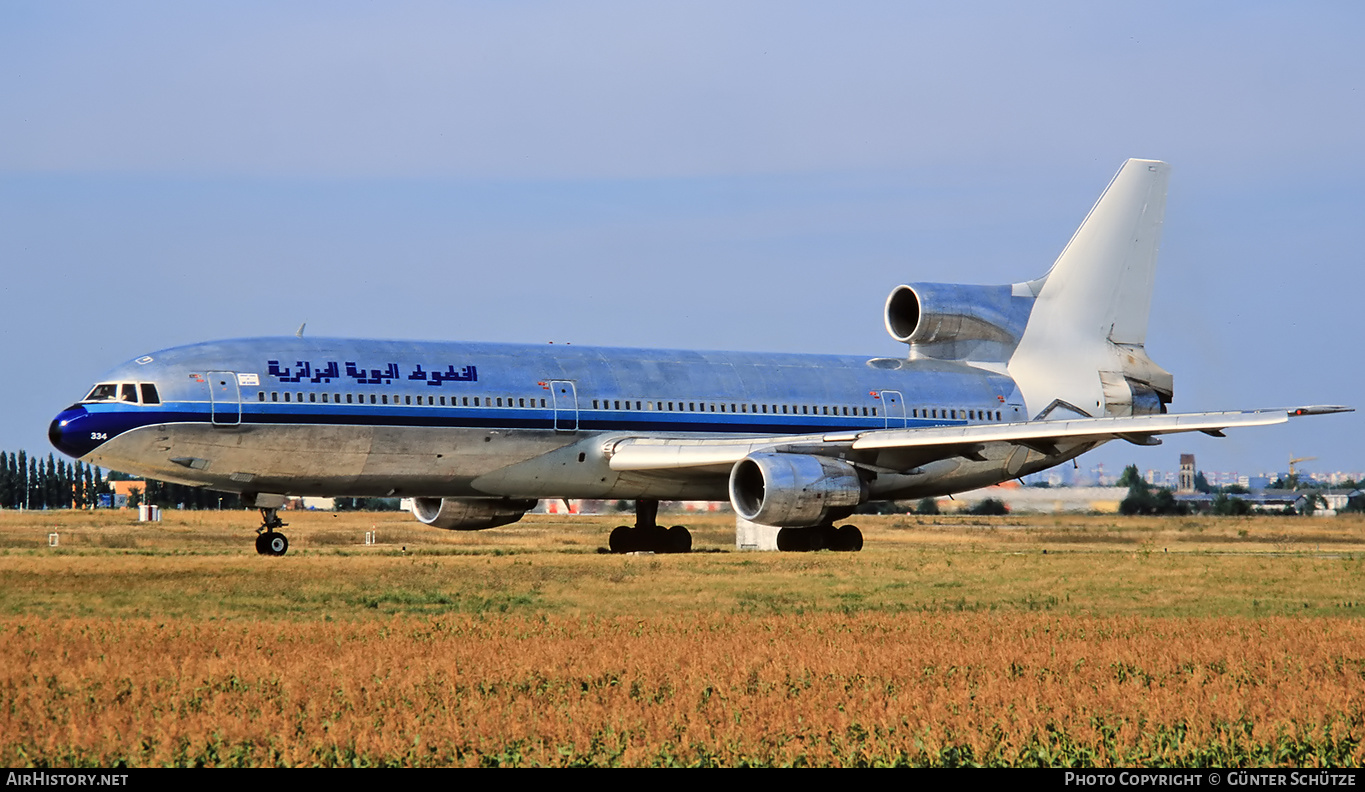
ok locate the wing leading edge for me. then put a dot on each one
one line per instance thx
(664, 453)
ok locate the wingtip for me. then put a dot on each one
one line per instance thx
(1319, 409)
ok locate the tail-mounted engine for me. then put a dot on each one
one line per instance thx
(953, 321)
(794, 490)
(469, 514)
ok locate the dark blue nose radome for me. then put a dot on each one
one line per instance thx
(71, 433)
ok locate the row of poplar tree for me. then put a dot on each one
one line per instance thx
(33, 483)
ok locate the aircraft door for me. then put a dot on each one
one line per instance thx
(566, 405)
(893, 407)
(225, 398)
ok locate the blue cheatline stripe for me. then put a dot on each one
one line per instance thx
(122, 420)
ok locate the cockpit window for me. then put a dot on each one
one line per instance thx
(105, 391)
(126, 392)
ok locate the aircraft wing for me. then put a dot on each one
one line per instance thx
(663, 454)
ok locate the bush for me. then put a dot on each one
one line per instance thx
(992, 507)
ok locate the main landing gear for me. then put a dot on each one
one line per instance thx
(846, 538)
(648, 535)
(268, 540)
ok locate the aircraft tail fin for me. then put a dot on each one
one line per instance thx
(1082, 349)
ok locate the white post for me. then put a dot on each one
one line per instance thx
(752, 536)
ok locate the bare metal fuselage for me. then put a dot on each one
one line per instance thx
(332, 417)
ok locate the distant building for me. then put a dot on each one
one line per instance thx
(1041, 500)
(123, 490)
(1186, 484)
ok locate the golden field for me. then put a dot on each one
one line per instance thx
(948, 640)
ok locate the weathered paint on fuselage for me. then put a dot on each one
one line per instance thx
(357, 418)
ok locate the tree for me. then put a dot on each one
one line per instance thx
(993, 507)
(35, 489)
(21, 481)
(1130, 477)
(1143, 500)
(927, 506)
(1224, 506)
(6, 482)
(134, 497)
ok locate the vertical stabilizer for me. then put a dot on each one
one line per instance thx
(1082, 349)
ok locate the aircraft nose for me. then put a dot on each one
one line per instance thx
(65, 434)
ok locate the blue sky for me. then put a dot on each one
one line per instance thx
(729, 175)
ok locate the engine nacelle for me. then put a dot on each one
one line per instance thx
(794, 490)
(469, 514)
(953, 321)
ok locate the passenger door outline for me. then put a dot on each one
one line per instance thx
(893, 407)
(564, 396)
(225, 398)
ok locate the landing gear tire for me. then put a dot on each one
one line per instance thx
(622, 539)
(846, 538)
(272, 543)
(678, 540)
(849, 539)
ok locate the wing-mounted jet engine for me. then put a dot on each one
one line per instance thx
(804, 494)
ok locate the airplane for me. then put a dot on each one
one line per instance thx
(998, 382)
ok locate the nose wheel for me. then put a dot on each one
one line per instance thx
(268, 540)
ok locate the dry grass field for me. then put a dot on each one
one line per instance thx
(1070, 640)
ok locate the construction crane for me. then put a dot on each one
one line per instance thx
(1293, 460)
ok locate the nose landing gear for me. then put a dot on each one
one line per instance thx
(268, 540)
